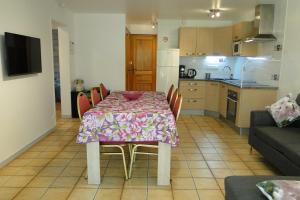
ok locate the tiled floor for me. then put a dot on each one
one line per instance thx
(55, 167)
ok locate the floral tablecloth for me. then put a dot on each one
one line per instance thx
(148, 118)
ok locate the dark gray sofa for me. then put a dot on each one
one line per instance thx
(279, 146)
(244, 187)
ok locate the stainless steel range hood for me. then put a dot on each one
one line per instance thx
(263, 24)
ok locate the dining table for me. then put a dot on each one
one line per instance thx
(119, 119)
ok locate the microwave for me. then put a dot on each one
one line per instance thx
(236, 48)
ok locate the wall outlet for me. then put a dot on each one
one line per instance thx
(275, 77)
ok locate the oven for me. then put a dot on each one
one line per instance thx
(236, 48)
(232, 99)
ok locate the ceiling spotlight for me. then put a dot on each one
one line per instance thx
(214, 13)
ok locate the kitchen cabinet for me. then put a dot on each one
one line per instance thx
(223, 99)
(249, 49)
(193, 93)
(188, 41)
(222, 41)
(205, 41)
(212, 96)
(195, 41)
(242, 30)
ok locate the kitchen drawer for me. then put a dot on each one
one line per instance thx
(193, 92)
(193, 103)
(191, 83)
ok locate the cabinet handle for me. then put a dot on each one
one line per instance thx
(192, 101)
(193, 90)
(191, 84)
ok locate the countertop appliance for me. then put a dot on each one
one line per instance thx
(182, 71)
(207, 76)
(191, 73)
(236, 48)
(232, 99)
(167, 69)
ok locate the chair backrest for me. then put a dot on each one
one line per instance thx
(177, 107)
(103, 91)
(83, 104)
(170, 93)
(173, 99)
(95, 96)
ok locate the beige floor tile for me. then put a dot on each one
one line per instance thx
(80, 193)
(19, 162)
(210, 195)
(59, 162)
(31, 193)
(256, 165)
(112, 182)
(51, 171)
(152, 184)
(17, 181)
(220, 182)
(8, 193)
(114, 172)
(217, 164)
(206, 183)
(39, 162)
(212, 157)
(108, 194)
(183, 183)
(201, 173)
(83, 183)
(221, 173)
(160, 194)
(56, 194)
(242, 172)
(237, 165)
(29, 171)
(9, 171)
(3, 179)
(67, 182)
(140, 172)
(41, 181)
(134, 194)
(264, 172)
(179, 164)
(197, 165)
(72, 171)
(136, 183)
(181, 172)
(185, 194)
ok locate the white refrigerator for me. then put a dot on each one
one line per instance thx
(167, 69)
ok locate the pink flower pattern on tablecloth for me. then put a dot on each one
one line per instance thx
(148, 118)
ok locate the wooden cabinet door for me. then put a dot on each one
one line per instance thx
(205, 41)
(187, 41)
(143, 50)
(222, 38)
(212, 96)
(223, 100)
(249, 49)
(242, 30)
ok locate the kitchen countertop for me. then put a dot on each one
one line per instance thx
(234, 82)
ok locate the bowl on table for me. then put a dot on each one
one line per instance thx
(132, 95)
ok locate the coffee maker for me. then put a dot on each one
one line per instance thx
(182, 71)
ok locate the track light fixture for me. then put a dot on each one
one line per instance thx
(214, 13)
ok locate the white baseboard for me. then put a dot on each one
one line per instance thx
(25, 148)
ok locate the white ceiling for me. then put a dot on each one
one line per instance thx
(143, 11)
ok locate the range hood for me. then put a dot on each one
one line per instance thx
(263, 24)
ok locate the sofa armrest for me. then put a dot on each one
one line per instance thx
(261, 118)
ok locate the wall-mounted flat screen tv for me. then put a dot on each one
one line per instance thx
(23, 54)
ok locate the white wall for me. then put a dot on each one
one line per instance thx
(100, 49)
(290, 69)
(27, 102)
(142, 29)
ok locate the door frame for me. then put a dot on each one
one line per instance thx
(130, 56)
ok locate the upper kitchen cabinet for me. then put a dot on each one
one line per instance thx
(188, 41)
(242, 30)
(222, 40)
(205, 41)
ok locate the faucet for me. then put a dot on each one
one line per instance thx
(227, 67)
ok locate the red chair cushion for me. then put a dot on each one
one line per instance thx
(95, 96)
(177, 107)
(173, 99)
(103, 90)
(84, 104)
(170, 93)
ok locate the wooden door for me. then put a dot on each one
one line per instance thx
(205, 41)
(128, 61)
(223, 41)
(143, 62)
(212, 96)
(187, 41)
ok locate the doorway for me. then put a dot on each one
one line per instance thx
(56, 71)
(141, 62)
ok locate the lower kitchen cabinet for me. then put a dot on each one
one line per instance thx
(193, 93)
(212, 96)
(223, 100)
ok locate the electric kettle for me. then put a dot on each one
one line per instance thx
(191, 73)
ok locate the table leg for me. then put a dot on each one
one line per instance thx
(164, 164)
(93, 162)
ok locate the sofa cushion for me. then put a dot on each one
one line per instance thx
(234, 190)
(284, 140)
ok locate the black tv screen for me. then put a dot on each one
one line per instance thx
(23, 54)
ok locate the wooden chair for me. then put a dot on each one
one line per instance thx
(95, 97)
(153, 145)
(173, 99)
(103, 91)
(83, 105)
(170, 93)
